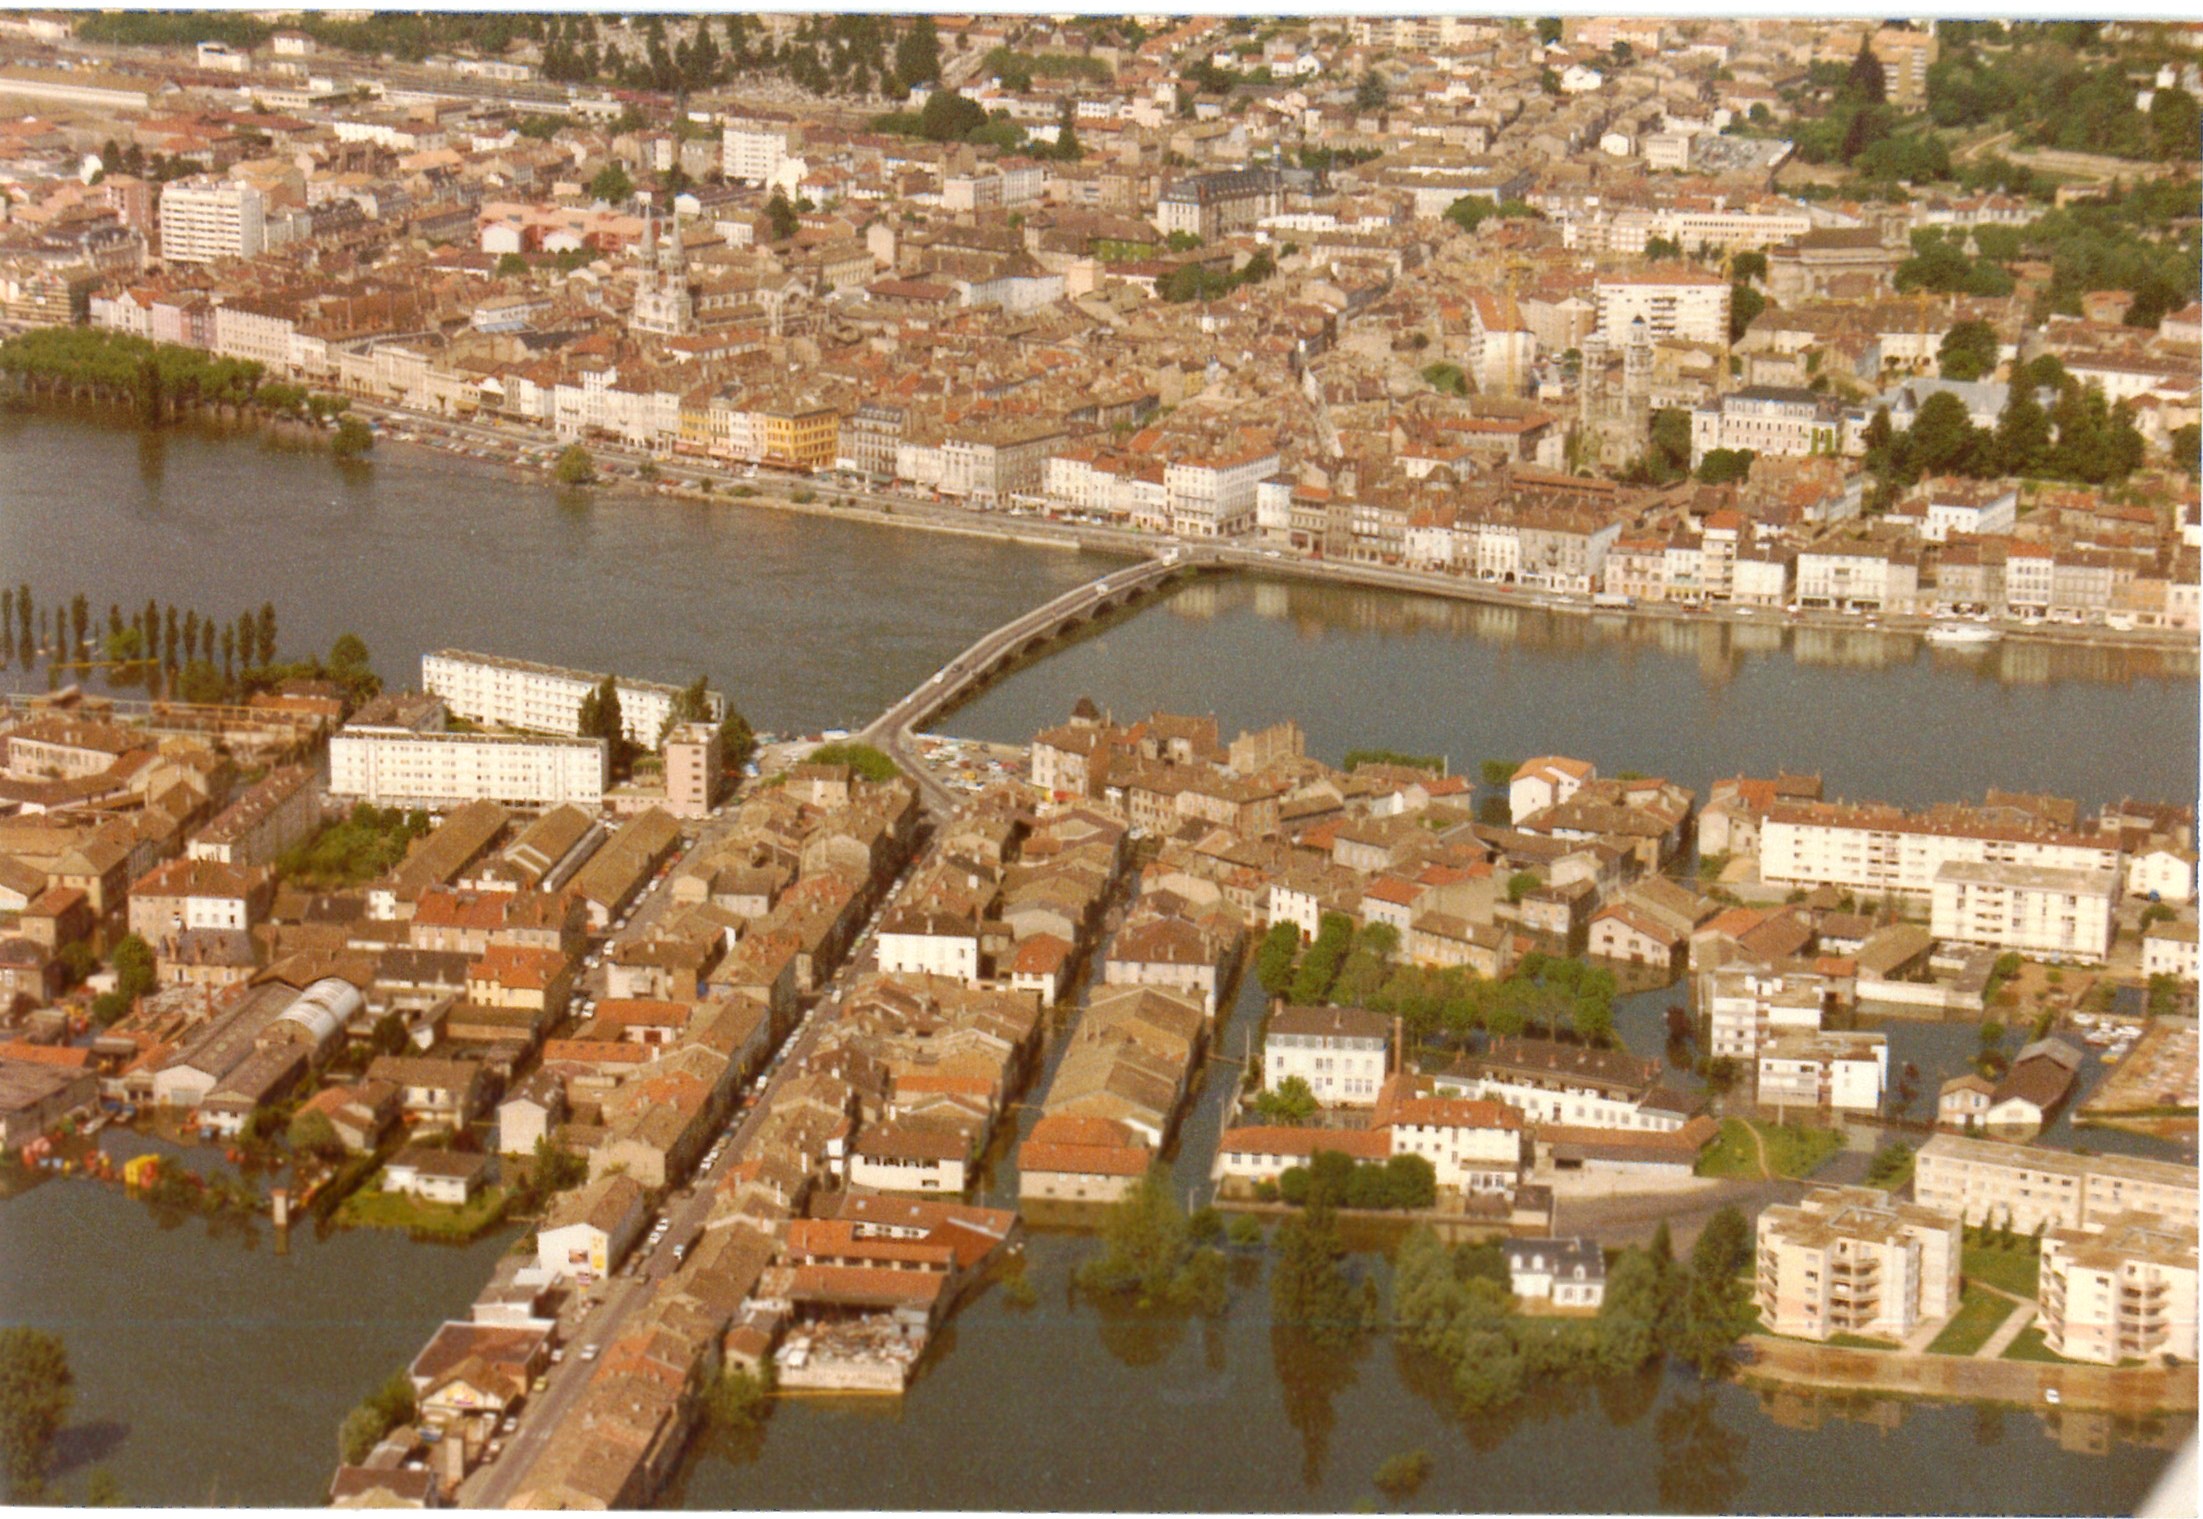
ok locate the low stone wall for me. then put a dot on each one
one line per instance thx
(2122, 1390)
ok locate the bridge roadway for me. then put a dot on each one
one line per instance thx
(891, 730)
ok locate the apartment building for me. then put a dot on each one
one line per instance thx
(1988, 1181)
(1850, 1260)
(1811, 1069)
(1745, 1007)
(1341, 1052)
(273, 814)
(397, 766)
(520, 693)
(1784, 420)
(1555, 1083)
(1906, 57)
(2123, 1292)
(692, 766)
(753, 149)
(1673, 301)
(1212, 205)
(2052, 914)
(205, 218)
(995, 461)
(1214, 497)
(1884, 849)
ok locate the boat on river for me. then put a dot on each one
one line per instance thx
(1962, 635)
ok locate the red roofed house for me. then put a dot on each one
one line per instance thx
(1078, 1159)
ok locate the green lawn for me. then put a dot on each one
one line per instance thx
(376, 1209)
(1861, 1342)
(2028, 1346)
(2015, 1269)
(1731, 1153)
(1979, 1314)
(1794, 1150)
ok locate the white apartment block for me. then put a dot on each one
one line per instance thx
(1882, 849)
(241, 331)
(1745, 1008)
(752, 150)
(1680, 303)
(205, 218)
(1849, 1260)
(2124, 1293)
(1989, 1182)
(1843, 1071)
(400, 767)
(1215, 498)
(1341, 1052)
(2051, 914)
(518, 693)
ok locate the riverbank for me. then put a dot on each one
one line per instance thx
(2125, 1390)
(680, 479)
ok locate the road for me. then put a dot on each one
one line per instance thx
(891, 729)
(494, 1484)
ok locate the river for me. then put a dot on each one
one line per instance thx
(211, 1367)
(213, 1363)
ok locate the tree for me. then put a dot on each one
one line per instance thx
(1274, 961)
(2022, 432)
(1748, 266)
(1521, 884)
(36, 1392)
(348, 653)
(80, 620)
(612, 185)
(600, 715)
(1968, 352)
(1943, 440)
(1865, 84)
(1724, 1245)
(1149, 1255)
(1549, 30)
(1627, 1333)
(1669, 456)
(782, 217)
(352, 439)
(1371, 93)
(2173, 125)
(556, 1168)
(950, 117)
(511, 266)
(265, 628)
(135, 971)
(575, 467)
(918, 54)
(311, 1133)
(1310, 1288)
(1745, 305)
(1723, 465)
(1292, 1103)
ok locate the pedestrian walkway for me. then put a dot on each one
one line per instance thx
(2006, 1332)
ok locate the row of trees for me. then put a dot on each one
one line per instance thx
(66, 630)
(1356, 967)
(160, 379)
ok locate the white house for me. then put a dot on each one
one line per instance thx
(1846, 1071)
(590, 1230)
(1568, 1273)
(1546, 781)
(930, 944)
(437, 1176)
(2057, 914)
(1341, 1052)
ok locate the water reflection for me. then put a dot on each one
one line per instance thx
(1701, 1462)
(1311, 1375)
